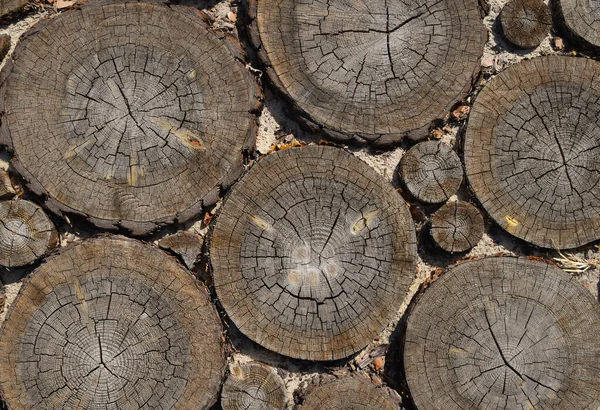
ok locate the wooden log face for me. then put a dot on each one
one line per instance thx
(581, 18)
(253, 386)
(140, 125)
(372, 68)
(26, 233)
(115, 324)
(457, 226)
(312, 253)
(532, 151)
(504, 333)
(350, 393)
(525, 23)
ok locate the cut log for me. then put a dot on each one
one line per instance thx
(6, 187)
(140, 125)
(504, 333)
(348, 393)
(525, 23)
(253, 386)
(431, 171)
(313, 253)
(579, 20)
(374, 71)
(10, 6)
(26, 233)
(4, 46)
(113, 324)
(457, 226)
(188, 245)
(532, 151)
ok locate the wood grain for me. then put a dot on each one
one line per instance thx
(253, 386)
(525, 23)
(457, 226)
(349, 393)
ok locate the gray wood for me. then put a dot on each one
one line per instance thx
(431, 171)
(10, 6)
(147, 113)
(373, 71)
(313, 253)
(188, 245)
(111, 324)
(525, 23)
(580, 20)
(253, 386)
(26, 233)
(532, 150)
(6, 188)
(457, 226)
(349, 393)
(504, 333)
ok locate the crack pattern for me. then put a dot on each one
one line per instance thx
(253, 386)
(347, 393)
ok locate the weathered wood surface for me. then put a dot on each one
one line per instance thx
(504, 333)
(431, 171)
(111, 324)
(26, 233)
(4, 45)
(525, 23)
(312, 253)
(532, 151)
(580, 19)
(253, 386)
(2, 301)
(6, 187)
(349, 393)
(148, 112)
(187, 245)
(11, 6)
(457, 226)
(372, 71)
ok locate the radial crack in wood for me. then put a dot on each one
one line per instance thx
(148, 112)
(457, 226)
(349, 393)
(525, 23)
(312, 253)
(253, 386)
(431, 171)
(504, 333)
(376, 71)
(26, 233)
(532, 151)
(580, 20)
(111, 324)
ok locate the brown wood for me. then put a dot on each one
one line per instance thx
(579, 20)
(348, 393)
(457, 226)
(188, 245)
(2, 300)
(525, 23)
(111, 324)
(4, 45)
(431, 171)
(6, 187)
(532, 151)
(26, 233)
(253, 386)
(10, 6)
(313, 253)
(148, 114)
(374, 71)
(504, 333)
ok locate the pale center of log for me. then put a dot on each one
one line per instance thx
(14, 233)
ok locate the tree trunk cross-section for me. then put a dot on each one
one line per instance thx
(253, 386)
(148, 111)
(525, 23)
(375, 70)
(431, 171)
(111, 324)
(504, 333)
(457, 226)
(312, 253)
(581, 19)
(532, 151)
(26, 233)
(350, 393)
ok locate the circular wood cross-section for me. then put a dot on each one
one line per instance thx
(253, 386)
(148, 111)
(112, 324)
(526, 23)
(532, 151)
(377, 70)
(350, 393)
(581, 20)
(26, 233)
(431, 171)
(457, 226)
(504, 333)
(312, 253)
